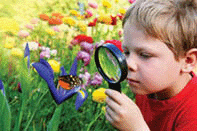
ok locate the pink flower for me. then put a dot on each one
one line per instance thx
(97, 80)
(87, 47)
(131, 1)
(55, 28)
(84, 56)
(74, 42)
(23, 34)
(93, 5)
(35, 21)
(88, 14)
(120, 33)
(45, 53)
(29, 26)
(86, 78)
(99, 43)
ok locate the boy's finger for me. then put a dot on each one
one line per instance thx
(115, 95)
(111, 114)
(108, 117)
(112, 104)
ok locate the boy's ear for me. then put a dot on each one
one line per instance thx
(190, 60)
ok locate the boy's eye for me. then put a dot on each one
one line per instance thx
(126, 52)
(145, 55)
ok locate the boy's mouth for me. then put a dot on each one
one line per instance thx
(132, 80)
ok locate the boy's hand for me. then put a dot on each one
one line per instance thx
(123, 113)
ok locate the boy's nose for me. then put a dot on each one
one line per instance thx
(132, 65)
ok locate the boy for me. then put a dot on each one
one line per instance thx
(160, 45)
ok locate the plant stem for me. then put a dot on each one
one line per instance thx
(35, 111)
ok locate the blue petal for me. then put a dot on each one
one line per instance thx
(73, 70)
(81, 97)
(47, 65)
(27, 52)
(63, 71)
(67, 95)
(44, 70)
(28, 61)
(2, 87)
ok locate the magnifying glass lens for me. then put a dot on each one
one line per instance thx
(109, 64)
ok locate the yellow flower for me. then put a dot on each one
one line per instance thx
(82, 27)
(80, 17)
(99, 95)
(73, 12)
(105, 19)
(9, 25)
(55, 65)
(17, 52)
(9, 42)
(122, 11)
(50, 32)
(116, 1)
(106, 4)
(90, 90)
(103, 109)
(1, 6)
(9, 45)
(70, 21)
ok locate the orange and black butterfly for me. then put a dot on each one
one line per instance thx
(69, 81)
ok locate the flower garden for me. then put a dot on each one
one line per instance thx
(41, 41)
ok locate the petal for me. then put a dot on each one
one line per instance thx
(2, 87)
(63, 71)
(73, 70)
(44, 72)
(68, 94)
(47, 65)
(81, 97)
(28, 61)
(27, 52)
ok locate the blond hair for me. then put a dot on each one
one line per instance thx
(172, 21)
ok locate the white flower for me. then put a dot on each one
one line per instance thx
(32, 45)
(53, 52)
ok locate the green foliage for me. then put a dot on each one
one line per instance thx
(5, 114)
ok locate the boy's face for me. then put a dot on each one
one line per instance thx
(152, 66)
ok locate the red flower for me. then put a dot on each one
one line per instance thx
(93, 23)
(120, 16)
(116, 43)
(44, 17)
(55, 21)
(114, 20)
(83, 38)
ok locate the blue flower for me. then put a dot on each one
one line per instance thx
(27, 53)
(2, 87)
(59, 94)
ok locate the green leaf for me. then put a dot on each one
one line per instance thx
(5, 114)
(55, 120)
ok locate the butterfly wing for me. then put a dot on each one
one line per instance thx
(64, 85)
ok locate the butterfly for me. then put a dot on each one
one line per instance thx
(69, 81)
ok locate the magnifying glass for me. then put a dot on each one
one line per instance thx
(111, 64)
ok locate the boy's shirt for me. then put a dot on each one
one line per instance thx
(178, 113)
